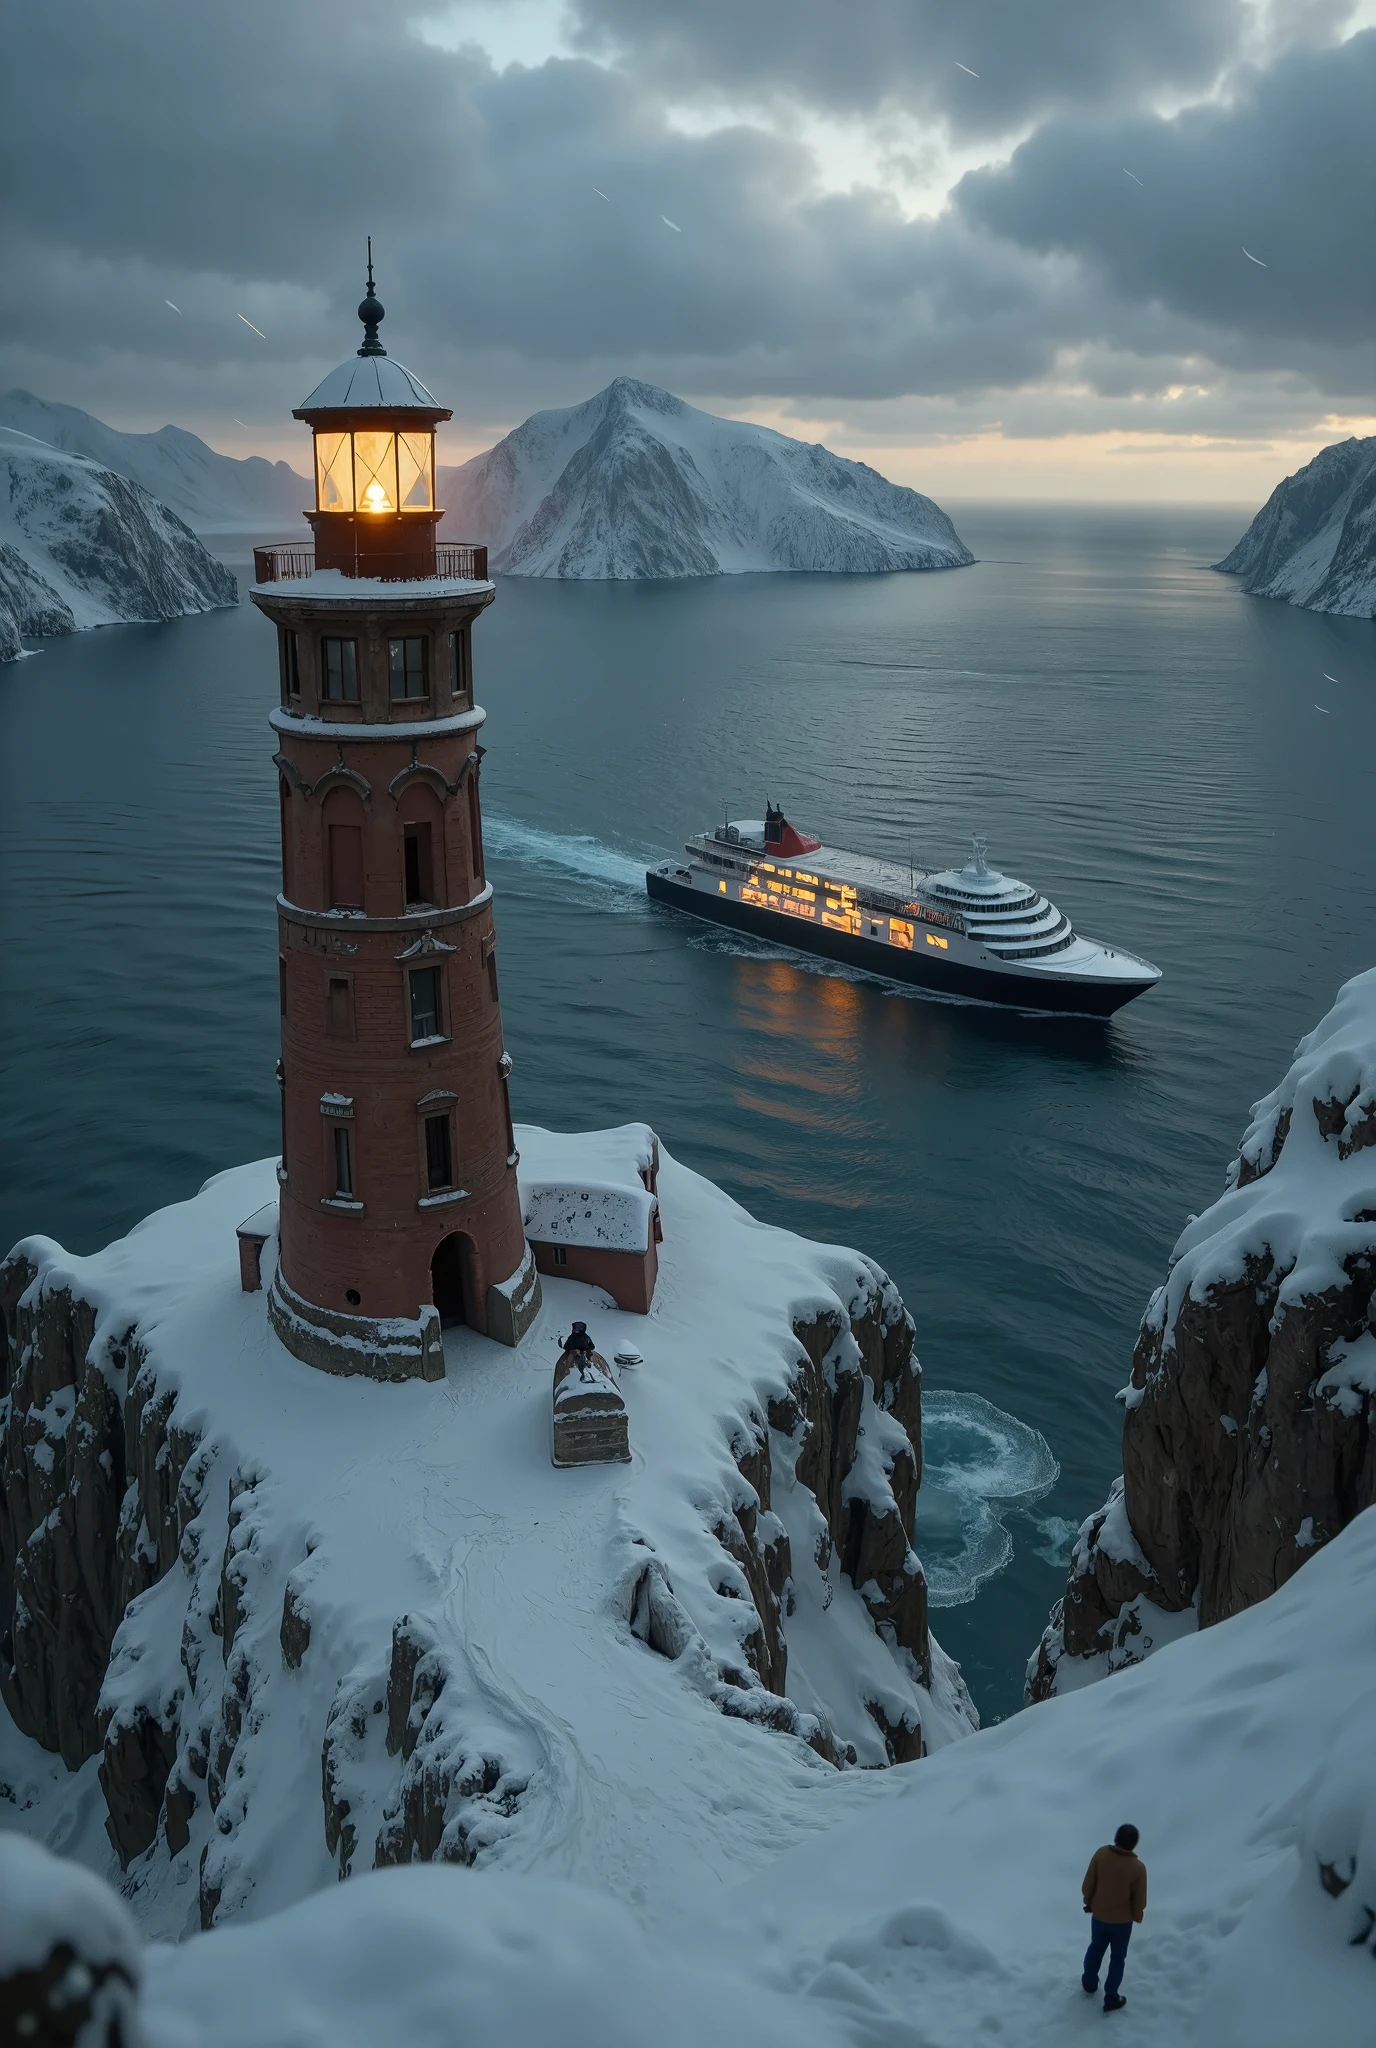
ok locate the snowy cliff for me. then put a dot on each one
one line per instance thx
(269, 1626)
(932, 1906)
(634, 483)
(213, 493)
(81, 546)
(1249, 1439)
(1314, 540)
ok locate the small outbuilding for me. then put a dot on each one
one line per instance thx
(590, 1207)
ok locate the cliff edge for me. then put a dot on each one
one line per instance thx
(1313, 543)
(269, 1626)
(1249, 1439)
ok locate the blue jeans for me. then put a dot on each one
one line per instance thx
(1112, 1935)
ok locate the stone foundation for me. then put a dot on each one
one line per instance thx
(395, 1349)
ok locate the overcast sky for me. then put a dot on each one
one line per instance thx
(1027, 280)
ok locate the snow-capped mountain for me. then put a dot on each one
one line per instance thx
(634, 483)
(81, 546)
(1313, 542)
(213, 493)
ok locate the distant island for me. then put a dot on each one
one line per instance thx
(1313, 543)
(635, 483)
(83, 546)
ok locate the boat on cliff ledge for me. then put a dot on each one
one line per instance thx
(970, 932)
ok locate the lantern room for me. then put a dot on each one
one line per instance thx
(373, 425)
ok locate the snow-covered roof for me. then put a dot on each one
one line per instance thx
(371, 381)
(585, 1187)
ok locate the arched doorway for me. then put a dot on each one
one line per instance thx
(451, 1281)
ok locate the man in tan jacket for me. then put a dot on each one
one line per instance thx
(1115, 1894)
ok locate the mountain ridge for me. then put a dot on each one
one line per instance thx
(636, 483)
(212, 493)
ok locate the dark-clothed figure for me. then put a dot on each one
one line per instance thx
(1115, 1895)
(579, 1340)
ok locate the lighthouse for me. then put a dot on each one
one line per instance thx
(399, 1212)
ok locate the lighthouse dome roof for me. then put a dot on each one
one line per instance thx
(371, 383)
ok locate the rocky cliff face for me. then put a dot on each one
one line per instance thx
(175, 1602)
(1313, 542)
(1250, 1434)
(81, 546)
(634, 483)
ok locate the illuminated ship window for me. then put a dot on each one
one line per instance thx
(900, 934)
(334, 473)
(721, 888)
(375, 472)
(413, 472)
(933, 940)
(799, 876)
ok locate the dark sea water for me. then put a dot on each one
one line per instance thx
(1134, 735)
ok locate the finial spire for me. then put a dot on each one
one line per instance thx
(370, 312)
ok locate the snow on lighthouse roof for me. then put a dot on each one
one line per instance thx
(373, 382)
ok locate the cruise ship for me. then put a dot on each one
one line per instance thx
(968, 932)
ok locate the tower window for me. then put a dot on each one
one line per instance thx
(439, 1159)
(426, 1020)
(291, 663)
(339, 1010)
(558, 1255)
(492, 976)
(420, 887)
(343, 1163)
(458, 659)
(340, 662)
(406, 659)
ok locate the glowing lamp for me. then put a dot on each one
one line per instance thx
(373, 426)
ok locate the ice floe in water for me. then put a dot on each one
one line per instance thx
(609, 876)
(977, 1464)
(1056, 1539)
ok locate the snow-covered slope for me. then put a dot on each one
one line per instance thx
(635, 483)
(1314, 540)
(213, 493)
(80, 546)
(373, 1623)
(1249, 1439)
(937, 1905)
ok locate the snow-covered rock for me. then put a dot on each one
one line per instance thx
(635, 483)
(1313, 542)
(936, 1904)
(1249, 1439)
(81, 546)
(279, 1626)
(213, 493)
(70, 1958)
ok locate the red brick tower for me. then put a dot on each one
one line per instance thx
(399, 1208)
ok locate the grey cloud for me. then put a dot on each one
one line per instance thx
(1287, 168)
(1031, 60)
(233, 163)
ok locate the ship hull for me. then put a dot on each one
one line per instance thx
(1077, 996)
